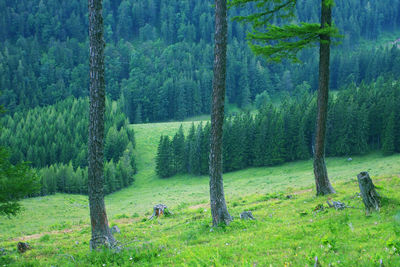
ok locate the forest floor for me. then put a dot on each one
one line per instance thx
(286, 232)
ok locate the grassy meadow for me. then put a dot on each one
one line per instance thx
(287, 232)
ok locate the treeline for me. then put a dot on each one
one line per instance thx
(360, 119)
(160, 63)
(55, 138)
(64, 178)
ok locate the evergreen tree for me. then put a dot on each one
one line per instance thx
(219, 210)
(388, 146)
(164, 162)
(178, 144)
(101, 233)
(16, 182)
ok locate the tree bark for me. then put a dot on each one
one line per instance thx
(219, 210)
(323, 185)
(101, 234)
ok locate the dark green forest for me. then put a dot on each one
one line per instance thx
(159, 54)
(55, 138)
(159, 68)
(359, 120)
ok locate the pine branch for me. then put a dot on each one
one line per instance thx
(271, 9)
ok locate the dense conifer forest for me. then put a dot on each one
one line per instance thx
(55, 138)
(360, 120)
(159, 54)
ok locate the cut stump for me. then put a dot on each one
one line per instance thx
(160, 209)
(369, 195)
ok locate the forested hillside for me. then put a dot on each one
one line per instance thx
(159, 54)
(359, 120)
(55, 138)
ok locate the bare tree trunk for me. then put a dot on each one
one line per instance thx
(101, 234)
(219, 211)
(323, 185)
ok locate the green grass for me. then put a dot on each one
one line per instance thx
(60, 224)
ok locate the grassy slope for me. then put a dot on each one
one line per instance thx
(64, 218)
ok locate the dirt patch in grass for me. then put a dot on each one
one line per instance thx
(195, 207)
(36, 236)
(302, 191)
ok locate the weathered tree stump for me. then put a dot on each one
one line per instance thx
(370, 197)
(160, 209)
(23, 247)
(246, 215)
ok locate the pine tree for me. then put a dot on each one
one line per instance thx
(322, 182)
(178, 144)
(189, 149)
(292, 39)
(219, 210)
(16, 182)
(164, 163)
(388, 142)
(101, 233)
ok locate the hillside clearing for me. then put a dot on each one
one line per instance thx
(256, 189)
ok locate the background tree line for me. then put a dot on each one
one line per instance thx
(360, 119)
(54, 139)
(159, 54)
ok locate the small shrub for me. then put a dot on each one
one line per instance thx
(44, 238)
(121, 216)
(329, 243)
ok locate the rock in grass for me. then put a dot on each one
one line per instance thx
(337, 205)
(3, 251)
(23, 247)
(115, 230)
(246, 215)
(316, 264)
(319, 208)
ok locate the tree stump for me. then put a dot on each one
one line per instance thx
(246, 215)
(160, 209)
(23, 247)
(370, 197)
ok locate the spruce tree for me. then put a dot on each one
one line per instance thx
(178, 144)
(388, 146)
(164, 162)
(16, 182)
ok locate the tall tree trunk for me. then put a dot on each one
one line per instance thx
(323, 185)
(219, 211)
(101, 234)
